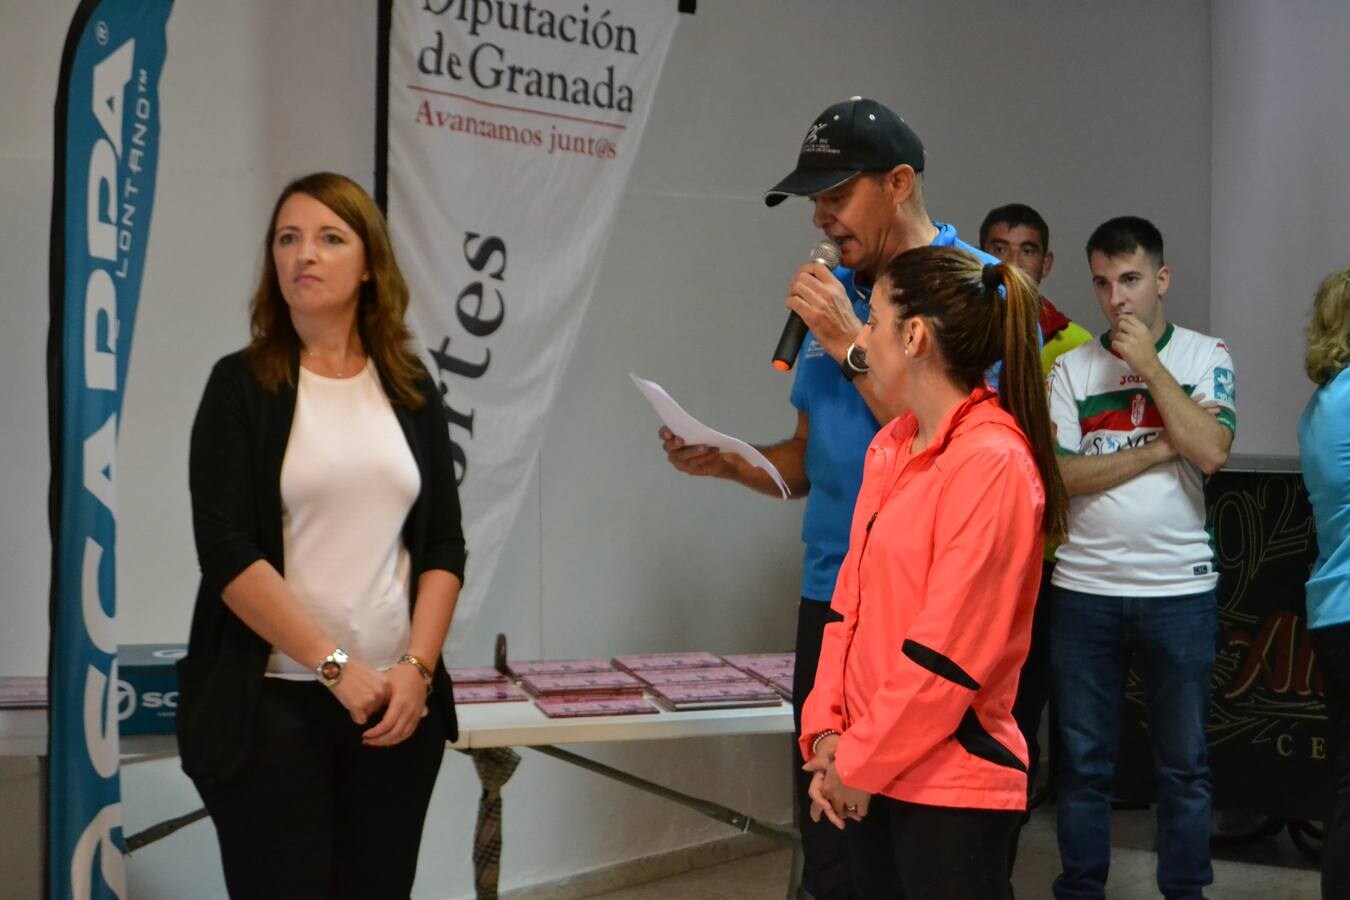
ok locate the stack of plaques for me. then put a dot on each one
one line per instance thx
(571, 694)
(610, 683)
(718, 695)
(681, 681)
(774, 669)
(483, 684)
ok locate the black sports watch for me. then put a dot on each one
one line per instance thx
(854, 364)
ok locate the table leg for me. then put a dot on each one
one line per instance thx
(795, 891)
(495, 766)
(44, 814)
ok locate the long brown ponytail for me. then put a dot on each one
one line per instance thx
(975, 328)
(1021, 388)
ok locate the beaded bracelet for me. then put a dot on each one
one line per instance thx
(815, 744)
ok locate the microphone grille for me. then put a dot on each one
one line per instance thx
(826, 252)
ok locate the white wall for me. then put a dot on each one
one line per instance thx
(1281, 208)
(1084, 110)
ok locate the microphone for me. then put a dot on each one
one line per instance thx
(794, 330)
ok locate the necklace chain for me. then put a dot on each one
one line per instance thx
(337, 373)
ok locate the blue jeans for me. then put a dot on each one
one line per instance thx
(1172, 642)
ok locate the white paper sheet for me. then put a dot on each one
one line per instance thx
(673, 416)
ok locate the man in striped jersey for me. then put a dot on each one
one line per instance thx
(1142, 416)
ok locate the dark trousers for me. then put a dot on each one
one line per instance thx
(825, 873)
(1033, 691)
(907, 851)
(1333, 657)
(314, 815)
(1171, 640)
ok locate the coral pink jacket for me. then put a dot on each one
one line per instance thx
(937, 593)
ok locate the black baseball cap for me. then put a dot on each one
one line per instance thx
(857, 135)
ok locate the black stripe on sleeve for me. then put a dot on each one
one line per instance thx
(976, 741)
(938, 664)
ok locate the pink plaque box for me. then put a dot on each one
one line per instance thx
(771, 675)
(587, 696)
(771, 660)
(558, 666)
(689, 660)
(581, 682)
(764, 666)
(568, 708)
(702, 675)
(476, 675)
(715, 696)
(505, 692)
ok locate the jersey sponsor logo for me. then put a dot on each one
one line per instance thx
(1202, 569)
(1225, 390)
(1137, 407)
(1106, 443)
(1131, 379)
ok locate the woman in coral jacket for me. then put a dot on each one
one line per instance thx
(909, 730)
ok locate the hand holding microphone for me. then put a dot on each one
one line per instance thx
(823, 302)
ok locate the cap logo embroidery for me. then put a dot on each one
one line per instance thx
(814, 142)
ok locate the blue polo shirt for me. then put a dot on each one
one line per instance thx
(840, 429)
(1324, 448)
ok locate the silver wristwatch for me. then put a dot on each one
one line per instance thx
(330, 669)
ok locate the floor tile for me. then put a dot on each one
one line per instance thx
(1268, 869)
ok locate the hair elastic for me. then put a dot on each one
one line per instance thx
(990, 277)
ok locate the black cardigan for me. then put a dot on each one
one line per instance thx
(238, 443)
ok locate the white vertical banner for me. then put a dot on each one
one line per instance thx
(510, 129)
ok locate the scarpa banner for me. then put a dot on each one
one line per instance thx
(107, 140)
(508, 131)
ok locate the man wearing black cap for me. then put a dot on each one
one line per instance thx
(860, 166)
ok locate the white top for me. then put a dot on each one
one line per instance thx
(1145, 537)
(347, 483)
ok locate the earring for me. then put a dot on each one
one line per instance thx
(907, 351)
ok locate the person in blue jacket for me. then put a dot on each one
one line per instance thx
(1324, 449)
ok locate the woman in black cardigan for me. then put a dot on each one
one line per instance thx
(314, 704)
